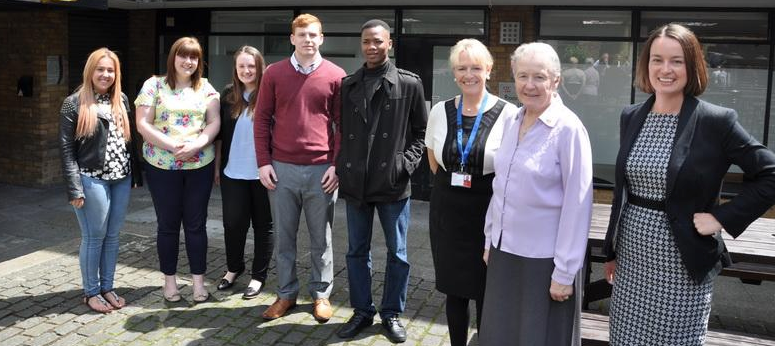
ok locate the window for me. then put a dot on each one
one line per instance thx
(251, 21)
(595, 84)
(350, 21)
(220, 59)
(443, 22)
(737, 79)
(585, 23)
(710, 25)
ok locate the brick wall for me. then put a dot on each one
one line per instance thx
(141, 61)
(501, 71)
(29, 153)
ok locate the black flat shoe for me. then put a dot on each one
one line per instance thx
(394, 330)
(251, 292)
(354, 325)
(226, 284)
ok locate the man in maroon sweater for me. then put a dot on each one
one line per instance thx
(297, 139)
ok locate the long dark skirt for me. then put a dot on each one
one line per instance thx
(457, 235)
(518, 309)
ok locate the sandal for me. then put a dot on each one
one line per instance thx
(114, 299)
(201, 297)
(172, 298)
(98, 304)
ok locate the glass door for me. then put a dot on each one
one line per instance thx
(429, 58)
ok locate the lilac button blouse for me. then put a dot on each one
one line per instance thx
(542, 192)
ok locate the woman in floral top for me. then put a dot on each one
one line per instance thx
(97, 160)
(178, 117)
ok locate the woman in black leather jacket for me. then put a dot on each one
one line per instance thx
(99, 167)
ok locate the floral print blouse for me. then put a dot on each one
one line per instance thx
(180, 114)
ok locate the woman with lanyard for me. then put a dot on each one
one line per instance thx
(462, 136)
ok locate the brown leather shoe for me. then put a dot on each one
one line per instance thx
(322, 310)
(278, 308)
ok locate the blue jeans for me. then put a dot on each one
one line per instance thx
(101, 218)
(394, 218)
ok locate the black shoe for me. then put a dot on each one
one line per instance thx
(394, 330)
(225, 284)
(251, 292)
(354, 325)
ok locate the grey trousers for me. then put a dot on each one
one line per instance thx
(299, 188)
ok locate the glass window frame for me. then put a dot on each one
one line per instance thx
(732, 179)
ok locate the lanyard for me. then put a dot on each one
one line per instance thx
(464, 152)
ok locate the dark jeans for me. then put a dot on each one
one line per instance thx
(394, 218)
(181, 196)
(245, 202)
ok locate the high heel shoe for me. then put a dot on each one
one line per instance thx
(226, 284)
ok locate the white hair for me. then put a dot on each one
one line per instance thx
(541, 52)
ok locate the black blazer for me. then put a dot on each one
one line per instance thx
(708, 140)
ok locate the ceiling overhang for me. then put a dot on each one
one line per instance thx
(158, 4)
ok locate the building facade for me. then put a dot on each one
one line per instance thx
(598, 46)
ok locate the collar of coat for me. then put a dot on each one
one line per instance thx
(391, 75)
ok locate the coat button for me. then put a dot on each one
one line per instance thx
(383, 164)
(387, 106)
(347, 165)
(355, 110)
(352, 136)
(384, 135)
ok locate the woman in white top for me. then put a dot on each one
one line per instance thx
(245, 199)
(471, 124)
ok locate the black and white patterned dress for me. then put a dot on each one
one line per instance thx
(654, 300)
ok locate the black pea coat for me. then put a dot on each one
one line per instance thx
(375, 162)
(707, 142)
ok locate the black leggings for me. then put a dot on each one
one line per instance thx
(458, 318)
(245, 202)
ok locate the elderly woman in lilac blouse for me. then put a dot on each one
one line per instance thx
(538, 219)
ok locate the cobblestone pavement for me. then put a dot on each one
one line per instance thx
(40, 287)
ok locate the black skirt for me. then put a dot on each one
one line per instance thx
(457, 234)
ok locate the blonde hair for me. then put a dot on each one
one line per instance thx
(87, 105)
(476, 50)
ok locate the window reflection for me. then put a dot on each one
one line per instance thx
(220, 59)
(350, 21)
(713, 25)
(595, 84)
(443, 22)
(585, 23)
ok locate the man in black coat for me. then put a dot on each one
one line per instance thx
(383, 129)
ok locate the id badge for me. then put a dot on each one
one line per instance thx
(461, 179)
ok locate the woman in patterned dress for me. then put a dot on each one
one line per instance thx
(179, 116)
(99, 165)
(456, 210)
(663, 243)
